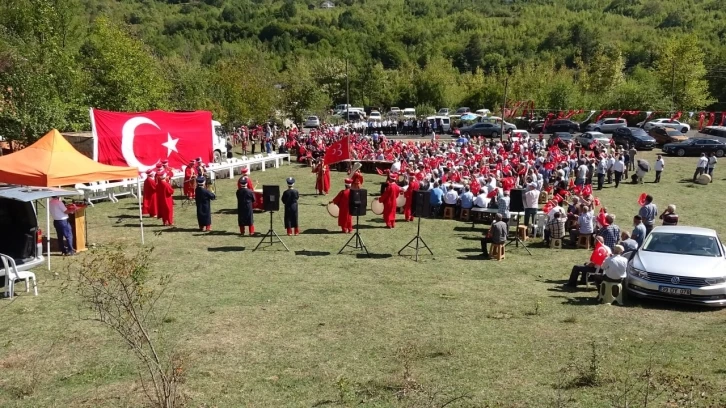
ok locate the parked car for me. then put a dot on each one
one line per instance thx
(313, 122)
(375, 115)
(557, 125)
(718, 131)
(488, 129)
(564, 139)
(409, 113)
(443, 112)
(442, 123)
(483, 112)
(633, 136)
(587, 138)
(663, 135)
(353, 116)
(683, 127)
(694, 147)
(462, 111)
(608, 125)
(394, 111)
(508, 127)
(517, 134)
(682, 264)
(21, 237)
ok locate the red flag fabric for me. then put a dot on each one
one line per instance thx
(723, 118)
(492, 193)
(338, 151)
(599, 254)
(676, 116)
(641, 199)
(711, 119)
(596, 201)
(143, 139)
(587, 190)
(701, 117)
(601, 218)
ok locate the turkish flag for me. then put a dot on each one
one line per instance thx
(338, 151)
(587, 190)
(641, 199)
(145, 138)
(599, 254)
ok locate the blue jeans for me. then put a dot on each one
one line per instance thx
(65, 236)
(268, 148)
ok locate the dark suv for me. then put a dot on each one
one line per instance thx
(633, 136)
(557, 125)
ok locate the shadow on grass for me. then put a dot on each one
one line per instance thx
(465, 250)
(226, 249)
(579, 300)
(478, 257)
(217, 233)
(125, 216)
(226, 211)
(178, 229)
(464, 229)
(311, 253)
(314, 231)
(371, 255)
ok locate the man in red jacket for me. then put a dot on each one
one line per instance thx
(164, 195)
(388, 199)
(148, 206)
(413, 186)
(190, 176)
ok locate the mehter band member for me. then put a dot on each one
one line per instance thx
(203, 199)
(342, 200)
(245, 201)
(289, 198)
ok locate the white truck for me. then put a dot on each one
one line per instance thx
(219, 142)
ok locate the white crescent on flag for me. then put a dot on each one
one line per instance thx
(127, 140)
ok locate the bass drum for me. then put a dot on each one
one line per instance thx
(333, 210)
(400, 201)
(376, 207)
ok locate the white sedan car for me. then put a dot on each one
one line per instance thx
(683, 127)
(587, 138)
(375, 115)
(680, 264)
(312, 122)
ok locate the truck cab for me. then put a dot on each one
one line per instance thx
(219, 141)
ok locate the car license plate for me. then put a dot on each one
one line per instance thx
(674, 291)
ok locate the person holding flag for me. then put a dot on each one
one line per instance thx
(322, 177)
(598, 256)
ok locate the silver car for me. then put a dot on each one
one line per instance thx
(587, 138)
(607, 125)
(681, 264)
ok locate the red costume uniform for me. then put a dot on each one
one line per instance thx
(345, 220)
(164, 193)
(388, 199)
(148, 206)
(413, 185)
(357, 180)
(322, 179)
(190, 176)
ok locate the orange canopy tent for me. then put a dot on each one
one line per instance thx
(53, 161)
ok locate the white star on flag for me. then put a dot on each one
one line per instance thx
(170, 144)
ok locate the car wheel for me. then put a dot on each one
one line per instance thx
(495, 134)
(681, 152)
(719, 153)
(597, 129)
(684, 130)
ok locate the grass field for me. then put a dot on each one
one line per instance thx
(312, 328)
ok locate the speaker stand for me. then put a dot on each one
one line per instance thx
(418, 240)
(516, 239)
(272, 235)
(358, 244)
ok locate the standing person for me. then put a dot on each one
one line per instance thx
(712, 160)
(203, 198)
(700, 166)
(357, 179)
(149, 203)
(413, 186)
(648, 212)
(253, 140)
(164, 196)
(322, 177)
(60, 212)
(581, 174)
(289, 198)
(639, 231)
(531, 202)
(245, 202)
(388, 199)
(503, 206)
(631, 157)
(189, 176)
(602, 168)
(659, 166)
(342, 200)
(618, 170)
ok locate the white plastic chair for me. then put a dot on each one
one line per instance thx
(11, 273)
(541, 221)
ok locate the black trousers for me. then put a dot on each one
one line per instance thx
(699, 171)
(618, 175)
(648, 229)
(484, 242)
(576, 271)
(600, 180)
(657, 175)
(530, 213)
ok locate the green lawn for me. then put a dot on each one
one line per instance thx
(278, 329)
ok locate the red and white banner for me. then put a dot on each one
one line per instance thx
(145, 138)
(338, 151)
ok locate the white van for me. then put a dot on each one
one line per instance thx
(409, 113)
(219, 142)
(443, 123)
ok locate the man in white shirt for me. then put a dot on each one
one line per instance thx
(701, 166)
(396, 166)
(60, 212)
(481, 200)
(451, 196)
(531, 202)
(585, 224)
(712, 160)
(659, 166)
(581, 174)
(618, 169)
(614, 268)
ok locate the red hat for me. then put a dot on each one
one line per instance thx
(158, 165)
(348, 181)
(149, 171)
(165, 162)
(393, 176)
(244, 170)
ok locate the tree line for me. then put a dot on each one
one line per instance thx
(252, 60)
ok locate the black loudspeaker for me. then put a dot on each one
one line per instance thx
(422, 203)
(516, 200)
(358, 202)
(271, 198)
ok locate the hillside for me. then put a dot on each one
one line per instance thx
(246, 59)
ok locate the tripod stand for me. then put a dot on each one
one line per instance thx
(185, 200)
(418, 241)
(272, 235)
(358, 244)
(517, 240)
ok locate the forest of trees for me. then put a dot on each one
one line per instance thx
(248, 60)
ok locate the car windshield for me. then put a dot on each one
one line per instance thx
(638, 132)
(683, 244)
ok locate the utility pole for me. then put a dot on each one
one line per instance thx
(347, 93)
(504, 106)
